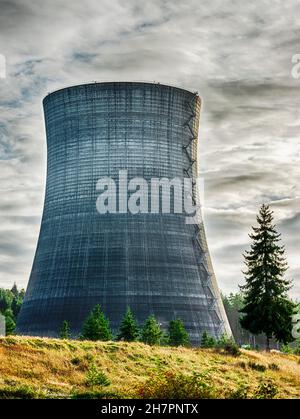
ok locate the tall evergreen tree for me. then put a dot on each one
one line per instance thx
(96, 326)
(151, 331)
(129, 330)
(178, 336)
(267, 308)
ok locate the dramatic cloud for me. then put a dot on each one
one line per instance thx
(236, 54)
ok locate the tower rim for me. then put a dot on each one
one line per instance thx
(141, 83)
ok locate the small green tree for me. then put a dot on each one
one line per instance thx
(11, 300)
(207, 341)
(15, 290)
(178, 336)
(16, 306)
(151, 331)
(267, 308)
(6, 298)
(96, 326)
(65, 330)
(10, 324)
(129, 330)
(95, 377)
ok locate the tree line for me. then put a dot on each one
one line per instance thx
(10, 305)
(262, 309)
(96, 328)
(233, 303)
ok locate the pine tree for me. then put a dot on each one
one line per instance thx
(16, 306)
(96, 326)
(151, 331)
(65, 330)
(267, 308)
(129, 330)
(207, 341)
(14, 290)
(177, 333)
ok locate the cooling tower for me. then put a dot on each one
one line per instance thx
(156, 263)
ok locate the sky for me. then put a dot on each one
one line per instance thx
(236, 54)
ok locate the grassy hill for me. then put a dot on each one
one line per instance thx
(52, 368)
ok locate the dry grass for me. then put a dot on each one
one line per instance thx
(52, 368)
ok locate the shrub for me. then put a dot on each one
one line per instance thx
(17, 392)
(242, 392)
(207, 341)
(89, 357)
(177, 334)
(266, 390)
(64, 332)
(82, 363)
(76, 361)
(274, 367)
(256, 366)
(242, 365)
(94, 377)
(286, 349)
(178, 386)
(228, 346)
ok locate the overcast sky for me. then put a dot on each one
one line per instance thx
(236, 54)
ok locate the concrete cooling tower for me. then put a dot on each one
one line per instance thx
(154, 262)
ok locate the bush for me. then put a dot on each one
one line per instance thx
(242, 364)
(274, 367)
(17, 392)
(94, 377)
(207, 341)
(228, 346)
(76, 361)
(242, 392)
(266, 390)
(178, 336)
(257, 367)
(178, 386)
(64, 332)
(286, 349)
